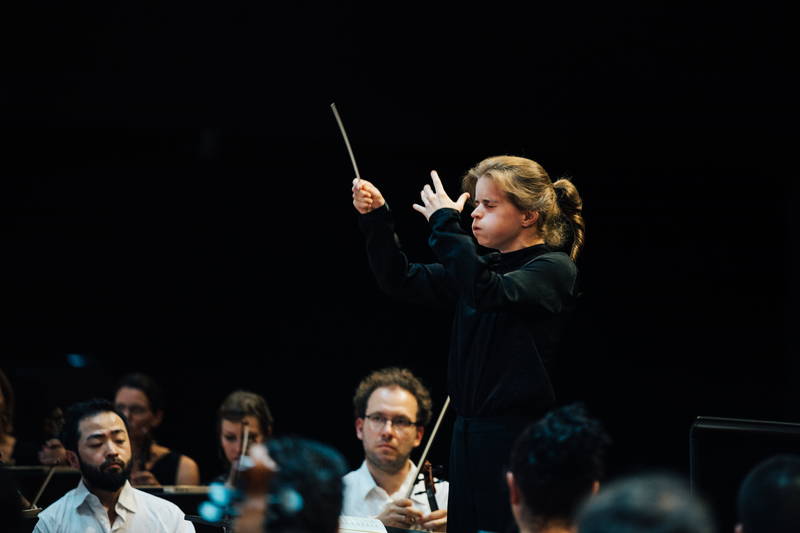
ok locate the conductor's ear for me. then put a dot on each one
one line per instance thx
(529, 218)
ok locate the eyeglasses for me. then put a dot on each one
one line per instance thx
(135, 410)
(377, 421)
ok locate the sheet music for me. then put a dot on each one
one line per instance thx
(358, 524)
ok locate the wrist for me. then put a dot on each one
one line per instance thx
(442, 214)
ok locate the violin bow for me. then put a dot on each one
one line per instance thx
(428, 447)
(235, 468)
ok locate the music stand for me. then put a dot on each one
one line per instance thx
(42, 485)
(722, 451)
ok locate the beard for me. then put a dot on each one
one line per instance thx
(100, 478)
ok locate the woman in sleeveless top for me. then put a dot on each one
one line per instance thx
(140, 399)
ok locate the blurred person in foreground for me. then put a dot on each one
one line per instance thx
(769, 497)
(305, 489)
(652, 503)
(556, 463)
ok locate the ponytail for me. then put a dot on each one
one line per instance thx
(571, 206)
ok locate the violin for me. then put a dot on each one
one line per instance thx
(430, 485)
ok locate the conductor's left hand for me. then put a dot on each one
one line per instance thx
(436, 199)
(435, 521)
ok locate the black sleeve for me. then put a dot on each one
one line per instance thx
(424, 284)
(546, 283)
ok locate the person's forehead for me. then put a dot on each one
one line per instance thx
(131, 396)
(104, 423)
(231, 425)
(392, 399)
(488, 188)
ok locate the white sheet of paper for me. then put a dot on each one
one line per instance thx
(358, 524)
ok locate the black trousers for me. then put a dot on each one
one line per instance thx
(479, 456)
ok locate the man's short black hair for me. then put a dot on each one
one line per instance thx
(769, 497)
(644, 504)
(314, 471)
(70, 435)
(556, 461)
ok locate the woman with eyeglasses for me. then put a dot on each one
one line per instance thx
(140, 399)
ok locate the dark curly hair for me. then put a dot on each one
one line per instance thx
(556, 461)
(314, 471)
(394, 377)
(646, 503)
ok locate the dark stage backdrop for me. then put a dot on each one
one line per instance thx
(176, 200)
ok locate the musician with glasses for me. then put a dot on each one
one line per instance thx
(392, 408)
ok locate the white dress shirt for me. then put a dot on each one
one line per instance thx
(363, 497)
(80, 511)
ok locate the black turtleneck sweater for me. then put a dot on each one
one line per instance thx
(508, 310)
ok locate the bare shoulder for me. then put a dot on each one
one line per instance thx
(188, 471)
(158, 451)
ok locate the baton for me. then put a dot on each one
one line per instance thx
(346, 140)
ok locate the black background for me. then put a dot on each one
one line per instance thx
(176, 200)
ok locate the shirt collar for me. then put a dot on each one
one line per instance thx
(127, 497)
(517, 258)
(81, 493)
(367, 482)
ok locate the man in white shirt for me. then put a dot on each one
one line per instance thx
(391, 408)
(95, 436)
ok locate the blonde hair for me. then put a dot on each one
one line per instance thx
(529, 188)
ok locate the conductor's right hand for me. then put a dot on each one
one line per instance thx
(366, 196)
(400, 513)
